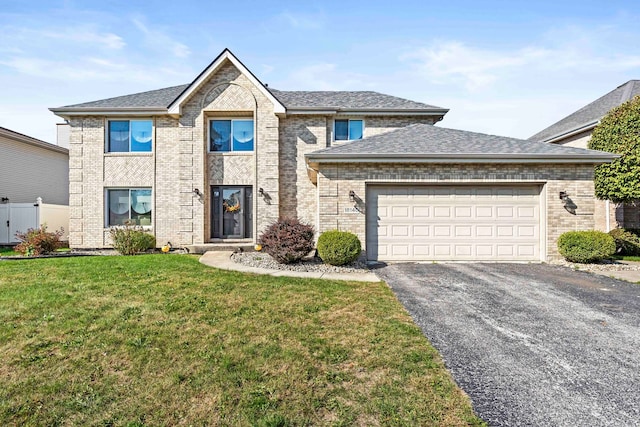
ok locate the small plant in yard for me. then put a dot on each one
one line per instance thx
(339, 247)
(586, 246)
(627, 242)
(287, 240)
(130, 239)
(38, 241)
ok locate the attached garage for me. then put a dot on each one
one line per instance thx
(426, 193)
(453, 222)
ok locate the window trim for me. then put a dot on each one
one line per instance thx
(128, 119)
(348, 120)
(232, 119)
(106, 206)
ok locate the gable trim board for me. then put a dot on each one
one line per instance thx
(296, 169)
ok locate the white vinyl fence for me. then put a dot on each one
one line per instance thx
(19, 217)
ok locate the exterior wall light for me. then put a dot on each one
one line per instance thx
(352, 196)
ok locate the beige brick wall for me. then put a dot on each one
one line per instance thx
(336, 180)
(178, 164)
(300, 135)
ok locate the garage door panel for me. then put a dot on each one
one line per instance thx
(453, 222)
(463, 211)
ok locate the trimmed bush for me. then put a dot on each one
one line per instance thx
(131, 239)
(287, 240)
(586, 246)
(38, 241)
(339, 247)
(627, 242)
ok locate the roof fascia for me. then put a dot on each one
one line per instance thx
(571, 132)
(15, 136)
(365, 112)
(459, 158)
(175, 107)
(65, 113)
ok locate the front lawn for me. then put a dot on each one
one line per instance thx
(164, 340)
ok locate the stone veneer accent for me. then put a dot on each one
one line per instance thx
(336, 180)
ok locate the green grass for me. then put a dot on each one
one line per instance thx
(164, 340)
(7, 251)
(627, 258)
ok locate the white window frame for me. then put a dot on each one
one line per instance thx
(211, 119)
(348, 136)
(106, 206)
(107, 135)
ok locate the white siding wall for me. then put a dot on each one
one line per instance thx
(28, 172)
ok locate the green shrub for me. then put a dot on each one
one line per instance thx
(627, 242)
(287, 240)
(131, 239)
(38, 241)
(339, 247)
(586, 246)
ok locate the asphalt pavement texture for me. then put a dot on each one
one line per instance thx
(531, 344)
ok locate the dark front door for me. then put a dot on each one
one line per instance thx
(231, 212)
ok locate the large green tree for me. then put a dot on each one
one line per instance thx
(619, 133)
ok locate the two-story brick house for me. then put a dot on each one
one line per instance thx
(219, 159)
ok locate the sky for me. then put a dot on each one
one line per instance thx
(502, 67)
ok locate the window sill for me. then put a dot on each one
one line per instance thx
(129, 154)
(232, 153)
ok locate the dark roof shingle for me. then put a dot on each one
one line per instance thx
(152, 99)
(346, 100)
(590, 113)
(349, 100)
(422, 139)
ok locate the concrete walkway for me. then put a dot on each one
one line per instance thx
(628, 275)
(222, 260)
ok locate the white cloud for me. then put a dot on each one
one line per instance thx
(85, 35)
(453, 61)
(326, 76)
(159, 40)
(303, 21)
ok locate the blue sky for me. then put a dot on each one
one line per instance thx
(502, 67)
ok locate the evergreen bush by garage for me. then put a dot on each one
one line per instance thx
(287, 240)
(627, 242)
(586, 246)
(339, 247)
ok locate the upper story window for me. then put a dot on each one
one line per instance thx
(129, 205)
(129, 136)
(231, 135)
(346, 129)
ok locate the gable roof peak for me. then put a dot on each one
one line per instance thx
(226, 55)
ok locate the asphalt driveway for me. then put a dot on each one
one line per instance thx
(531, 344)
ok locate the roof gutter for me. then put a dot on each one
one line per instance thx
(15, 136)
(314, 159)
(66, 112)
(579, 129)
(367, 111)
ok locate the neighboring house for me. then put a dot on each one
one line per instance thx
(31, 169)
(575, 131)
(219, 159)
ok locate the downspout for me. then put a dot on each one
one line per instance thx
(608, 215)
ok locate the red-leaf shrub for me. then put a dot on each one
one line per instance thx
(287, 240)
(38, 241)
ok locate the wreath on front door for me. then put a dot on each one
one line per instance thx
(231, 205)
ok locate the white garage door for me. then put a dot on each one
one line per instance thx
(424, 223)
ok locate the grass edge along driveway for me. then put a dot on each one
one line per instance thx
(164, 340)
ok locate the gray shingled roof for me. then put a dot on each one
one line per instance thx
(152, 99)
(348, 100)
(590, 113)
(421, 140)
